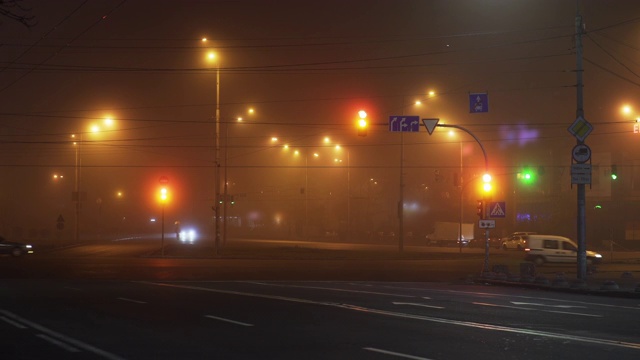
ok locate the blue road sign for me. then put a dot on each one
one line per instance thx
(404, 123)
(478, 102)
(497, 209)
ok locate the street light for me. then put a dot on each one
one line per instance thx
(212, 57)
(76, 196)
(225, 205)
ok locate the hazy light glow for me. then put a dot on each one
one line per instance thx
(520, 135)
(627, 109)
(362, 114)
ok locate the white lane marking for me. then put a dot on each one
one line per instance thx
(9, 321)
(131, 300)
(531, 297)
(524, 308)
(53, 341)
(416, 304)
(470, 324)
(61, 337)
(331, 289)
(426, 298)
(555, 306)
(397, 354)
(227, 320)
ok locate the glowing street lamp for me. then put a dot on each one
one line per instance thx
(211, 56)
(76, 196)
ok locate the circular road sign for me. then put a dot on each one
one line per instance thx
(581, 153)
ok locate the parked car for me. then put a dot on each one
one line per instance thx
(14, 248)
(557, 249)
(516, 241)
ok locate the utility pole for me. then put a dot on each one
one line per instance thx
(216, 195)
(582, 228)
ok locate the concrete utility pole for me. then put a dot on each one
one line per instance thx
(216, 194)
(582, 228)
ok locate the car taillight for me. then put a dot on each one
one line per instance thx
(527, 249)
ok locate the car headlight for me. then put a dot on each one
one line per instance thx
(28, 246)
(598, 256)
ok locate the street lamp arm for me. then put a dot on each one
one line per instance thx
(484, 152)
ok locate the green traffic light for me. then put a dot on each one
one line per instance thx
(526, 177)
(614, 176)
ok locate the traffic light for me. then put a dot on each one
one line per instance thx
(362, 123)
(487, 187)
(163, 195)
(527, 176)
(614, 172)
(480, 209)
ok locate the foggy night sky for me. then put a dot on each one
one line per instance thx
(306, 67)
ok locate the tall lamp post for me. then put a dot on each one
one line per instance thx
(77, 197)
(216, 195)
(76, 192)
(250, 111)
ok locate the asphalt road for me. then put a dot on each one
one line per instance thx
(72, 319)
(293, 300)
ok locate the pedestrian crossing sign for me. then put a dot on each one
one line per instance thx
(497, 209)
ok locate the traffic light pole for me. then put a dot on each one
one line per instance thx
(484, 201)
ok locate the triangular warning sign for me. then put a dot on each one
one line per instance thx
(497, 210)
(430, 124)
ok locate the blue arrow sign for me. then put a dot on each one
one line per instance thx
(402, 123)
(478, 102)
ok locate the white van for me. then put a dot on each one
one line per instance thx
(555, 249)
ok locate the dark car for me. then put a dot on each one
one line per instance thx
(14, 248)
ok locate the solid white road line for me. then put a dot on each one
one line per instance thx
(53, 341)
(227, 320)
(61, 337)
(405, 356)
(9, 321)
(470, 324)
(525, 308)
(416, 304)
(131, 300)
